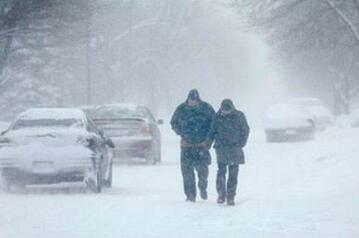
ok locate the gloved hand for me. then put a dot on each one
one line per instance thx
(206, 144)
(184, 143)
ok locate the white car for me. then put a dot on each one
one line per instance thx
(288, 122)
(321, 115)
(45, 146)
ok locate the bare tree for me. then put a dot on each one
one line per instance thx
(323, 36)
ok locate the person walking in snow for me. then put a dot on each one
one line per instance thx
(230, 132)
(192, 121)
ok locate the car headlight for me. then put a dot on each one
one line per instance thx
(146, 130)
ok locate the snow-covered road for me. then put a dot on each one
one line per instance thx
(285, 190)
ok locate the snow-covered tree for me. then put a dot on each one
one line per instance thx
(320, 38)
(76, 52)
(43, 44)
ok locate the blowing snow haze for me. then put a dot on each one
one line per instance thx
(72, 53)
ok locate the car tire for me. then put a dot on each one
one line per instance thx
(6, 180)
(98, 183)
(19, 186)
(151, 158)
(95, 183)
(108, 181)
(6, 184)
(270, 138)
(159, 156)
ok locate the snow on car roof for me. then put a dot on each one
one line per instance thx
(307, 101)
(89, 107)
(129, 106)
(52, 113)
(286, 109)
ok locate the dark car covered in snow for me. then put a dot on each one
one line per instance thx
(132, 128)
(51, 145)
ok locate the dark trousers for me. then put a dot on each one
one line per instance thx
(227, 188)
(194, 159)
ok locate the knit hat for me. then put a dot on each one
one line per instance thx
(194, 95)
(227, 105)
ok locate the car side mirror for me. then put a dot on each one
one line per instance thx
(160, 122)
(312, 123)
(110, 143)
(90, 142)
(101, 132)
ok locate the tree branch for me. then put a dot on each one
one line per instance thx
(32, 46)
(344, 18)
(354, 92)
(283, 12)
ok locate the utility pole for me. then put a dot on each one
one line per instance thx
(88, 53)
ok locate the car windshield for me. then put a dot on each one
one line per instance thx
(36, 123)
(112, 113)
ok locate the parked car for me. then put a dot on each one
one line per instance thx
(321, 115)
(288, 122)
(132, 128)
(46, 146)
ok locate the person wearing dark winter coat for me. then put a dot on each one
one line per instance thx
(230, 132)
(192, 121)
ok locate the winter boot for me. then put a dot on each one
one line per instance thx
(220, 200)
(204, 195)
(230, 202)
(191, 199)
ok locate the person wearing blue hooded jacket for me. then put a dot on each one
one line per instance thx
(192, 122)
(230, 132)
